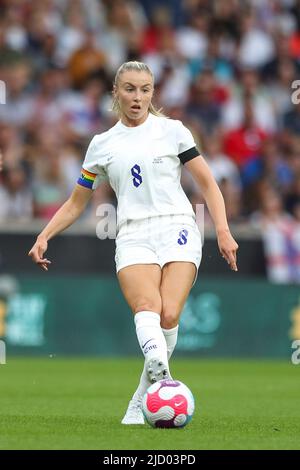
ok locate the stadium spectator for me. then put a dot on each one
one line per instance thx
(232, 200)
(282, 55)
(280, 89)
(15, 195)
(256, 46)
(292, 203)
(192, 39)
(81, 112)
(269, 164)
(48, 190)
(11, 144)
(17, 111)
(291, 121)
(88, 59)
(46, 106)
(204, 105)
(249, 87)
(71, 36)
(244, 143)
(222, 167)
(281, 236)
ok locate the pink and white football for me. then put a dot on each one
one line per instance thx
(168, 404)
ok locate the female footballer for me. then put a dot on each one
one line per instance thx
(158, 244)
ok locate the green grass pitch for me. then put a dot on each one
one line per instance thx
(54, 403)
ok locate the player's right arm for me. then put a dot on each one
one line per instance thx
(64, 217)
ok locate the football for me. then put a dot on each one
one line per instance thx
(168, 404)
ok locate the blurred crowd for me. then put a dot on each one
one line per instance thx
(227, 68)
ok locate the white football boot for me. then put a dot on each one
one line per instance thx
(157, 370)
(134, 414)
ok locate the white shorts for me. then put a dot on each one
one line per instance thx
(159, 240)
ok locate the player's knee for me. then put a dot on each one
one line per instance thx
(150, 305)
(169, 316)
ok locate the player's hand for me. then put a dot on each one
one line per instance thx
(37, 253)
(228, 248)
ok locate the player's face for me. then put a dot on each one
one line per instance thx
(134, 92)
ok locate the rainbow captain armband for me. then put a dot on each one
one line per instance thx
(86, 179)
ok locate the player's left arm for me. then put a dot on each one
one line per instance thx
(216, 206)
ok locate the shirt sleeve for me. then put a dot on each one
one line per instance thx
(187, 149)
(92, 173)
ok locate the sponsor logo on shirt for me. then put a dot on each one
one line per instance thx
(157, 160)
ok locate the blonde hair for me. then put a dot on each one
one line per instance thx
(137, 67)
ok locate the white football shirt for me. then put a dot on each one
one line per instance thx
(143, 166)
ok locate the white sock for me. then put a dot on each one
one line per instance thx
(171, 339)
(143, 385)
(150, 336)
(148, 327)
